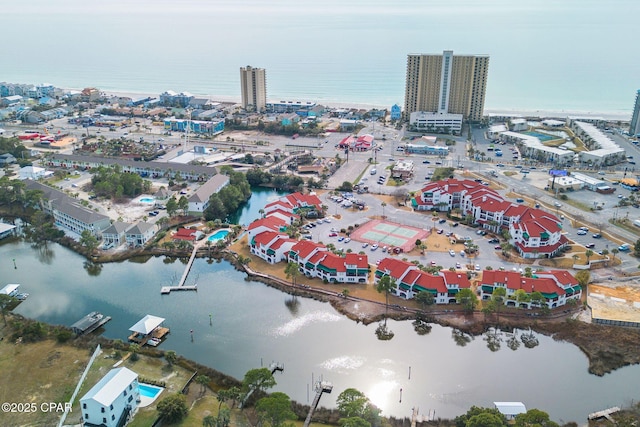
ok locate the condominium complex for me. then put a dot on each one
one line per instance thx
(253, 84)
(446, 83)
(634, 129)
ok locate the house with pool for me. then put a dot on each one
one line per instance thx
(410, 281)
(112, 401)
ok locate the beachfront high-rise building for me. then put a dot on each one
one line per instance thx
(253, 84)
(634, 128)
(446, 83)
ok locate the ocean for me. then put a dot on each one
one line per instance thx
(546, 55)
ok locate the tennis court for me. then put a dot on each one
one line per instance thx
(389, 234)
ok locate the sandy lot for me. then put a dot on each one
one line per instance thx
(619, 301)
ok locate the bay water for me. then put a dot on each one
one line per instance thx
(568, 56)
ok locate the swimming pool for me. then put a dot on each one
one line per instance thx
(147, 200)
(541, 136)
(149, 391)
(218, 235)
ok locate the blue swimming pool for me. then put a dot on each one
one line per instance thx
(150, 391)
(541, 136)
(218, 235)
(147, 200)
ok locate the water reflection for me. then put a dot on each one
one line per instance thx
(293, 305)
(44, 253)
(93, 269)
(460, 338)
(493, 337)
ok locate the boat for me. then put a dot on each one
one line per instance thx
(22, 296)
(153, 342)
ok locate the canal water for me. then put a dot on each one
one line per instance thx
(239, 325)
(249, 211)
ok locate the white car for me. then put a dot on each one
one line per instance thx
(581, 232)
(374, 246)
(452, 252)
(327, 220)
(477, 267)
(347, 240)
(364, 245)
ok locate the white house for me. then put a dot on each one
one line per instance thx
(199, 201)
(112, 401)
(33, 172)
(140, 234)
(115, 234)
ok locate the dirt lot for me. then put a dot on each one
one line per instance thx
(615, 301)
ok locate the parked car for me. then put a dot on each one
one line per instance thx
(590, 245)
(333, 234)
(458, 265)
(374, 246)
(347, 240)
(494, 240)
(477, 267)
(597, 236)
(497, 247)
(340, 239)
(364, 245)
(452, 252)
(581, 233)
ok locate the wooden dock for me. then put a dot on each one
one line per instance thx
(181, 286)
(169, 289)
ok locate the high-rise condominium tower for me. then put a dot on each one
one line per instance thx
(253, 84)
(634, 128)
(446, 83)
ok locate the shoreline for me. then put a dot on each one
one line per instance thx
(623, 116)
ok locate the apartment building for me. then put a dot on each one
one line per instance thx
(253, 85)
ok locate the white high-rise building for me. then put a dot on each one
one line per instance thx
(634, 128)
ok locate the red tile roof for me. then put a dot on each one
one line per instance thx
(304, 248)
(360, 261)
(272, 222)
(455, 278)
(265, 237)
(562, 276)
(185, 234)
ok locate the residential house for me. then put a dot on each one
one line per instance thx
(6, 230)
(271, 246)
(296, 203)
(139, 234)
(115, 234)
(187, 234)
(33, 172)
(112, 401)
(7, 159)
(199, 200)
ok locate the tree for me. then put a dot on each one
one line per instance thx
(537, 299)
(258, 379)
(233, 394)
(183, 204)
(485, 419)
(224, 417)
(353, 403)
(588, 254)
(475, 411)
(383, 204)
(425, 298)
(88, 241)
(534, 418)
(386, 284)
(172, 206)
(345, 186)
(498, 296)
(209, 421)
(134, 349)
(171, 357)
(615, 251)
(173, 408)
(467, 299)
(6, 301)
(353, 422)
(203, 380)
(292, 272)
(583, 277)
(275, 409)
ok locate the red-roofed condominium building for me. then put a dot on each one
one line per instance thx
(534, 232)
(410, 281)
(271, 246)
(314, 260)
(555, 288)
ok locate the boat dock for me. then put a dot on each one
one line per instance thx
(90, 323)
(181, 286)
(604, 414)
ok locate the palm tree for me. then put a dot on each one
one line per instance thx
(614, 251)
(383, 204)
(203, 380)
(588, 254)
(292, 271)
(386, 284)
